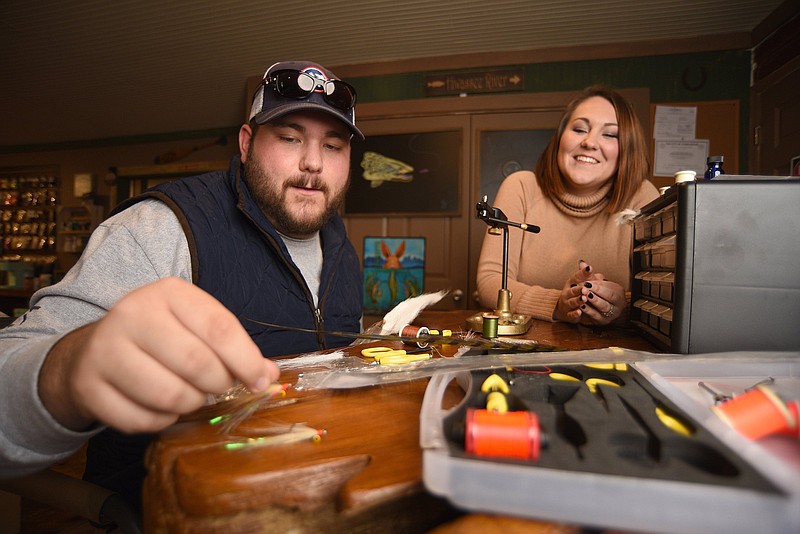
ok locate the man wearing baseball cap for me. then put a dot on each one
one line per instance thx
(159, 311)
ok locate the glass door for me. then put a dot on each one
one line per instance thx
(503, 144)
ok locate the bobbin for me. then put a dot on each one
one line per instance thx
(503, 434)
(415, 331)
(490, 326)
(757, 413)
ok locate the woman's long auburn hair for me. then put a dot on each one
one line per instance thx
(633, 163)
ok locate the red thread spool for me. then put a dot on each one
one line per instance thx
(503, 435)
(757, 413)
(415, 331)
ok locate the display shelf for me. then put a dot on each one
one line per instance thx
(28, 207)
(75, 225)
(28, 211)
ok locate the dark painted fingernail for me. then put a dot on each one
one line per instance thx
(591, 295)
(573, 285)
(587, 284)
(588, 268)
(583, 306)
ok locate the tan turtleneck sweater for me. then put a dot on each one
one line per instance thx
(573, 228)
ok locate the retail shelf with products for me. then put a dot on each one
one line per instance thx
(28, 205)
(75, 225)
(131, 181)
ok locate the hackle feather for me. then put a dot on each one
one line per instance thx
(405, 312)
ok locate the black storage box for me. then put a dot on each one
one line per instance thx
(716, 266)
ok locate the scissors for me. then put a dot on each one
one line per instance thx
(598, 378)
(390, 356)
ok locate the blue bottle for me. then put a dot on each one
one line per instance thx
(714, 167)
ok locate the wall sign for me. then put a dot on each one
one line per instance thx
(487, 81)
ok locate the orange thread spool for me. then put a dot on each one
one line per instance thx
(757, 413)
(503, 435)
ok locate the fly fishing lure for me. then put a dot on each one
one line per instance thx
(295, 433)
(244, 406)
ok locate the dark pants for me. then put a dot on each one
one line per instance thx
(115, 461)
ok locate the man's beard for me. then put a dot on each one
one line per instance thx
(271, 198)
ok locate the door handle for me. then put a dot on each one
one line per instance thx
(458, 295)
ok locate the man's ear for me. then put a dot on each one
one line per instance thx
(245, 138)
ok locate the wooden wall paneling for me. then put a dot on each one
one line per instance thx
(446, 237)
(601, 51)
(775, 116)
(717, 121)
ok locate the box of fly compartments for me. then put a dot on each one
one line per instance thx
(596, 445)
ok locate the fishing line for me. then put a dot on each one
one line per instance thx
(430, 338)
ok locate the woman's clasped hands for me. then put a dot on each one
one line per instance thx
(588, 298)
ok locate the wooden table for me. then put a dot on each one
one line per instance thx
(365, 475)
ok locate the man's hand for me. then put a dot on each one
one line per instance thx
(157, 354)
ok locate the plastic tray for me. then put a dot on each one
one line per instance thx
(712, 481)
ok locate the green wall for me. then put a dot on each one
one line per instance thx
(671, 79)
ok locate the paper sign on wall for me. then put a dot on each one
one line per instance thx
(676, 148)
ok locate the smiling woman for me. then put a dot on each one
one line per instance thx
(595, 166)
(589, 148)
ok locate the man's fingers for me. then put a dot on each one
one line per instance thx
(117, 410)
(148, 383)
(187, 356)
(157, 354)
(211, 322)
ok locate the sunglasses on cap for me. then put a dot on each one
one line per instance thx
(299, 85)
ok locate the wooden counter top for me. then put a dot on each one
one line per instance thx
(365, 473)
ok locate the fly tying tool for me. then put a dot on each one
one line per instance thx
(389, 356)
(432, 339)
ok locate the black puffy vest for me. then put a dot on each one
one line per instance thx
(239, 258)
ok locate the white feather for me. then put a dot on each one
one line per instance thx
(626, 215)
(405, 312)
(312, 359)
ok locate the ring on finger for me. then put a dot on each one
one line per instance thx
(610, 313)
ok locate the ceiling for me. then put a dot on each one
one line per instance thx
(92, 69)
